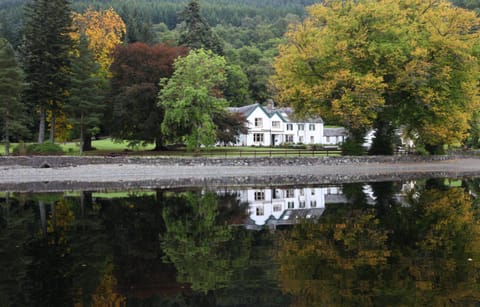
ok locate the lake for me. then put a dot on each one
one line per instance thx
(409, 243)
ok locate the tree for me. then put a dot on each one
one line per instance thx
(197, 33)
(136, 71)
(11, 86)
(230, 126)
(105, 30)
(46, 60)
(192, 97)
(85, 105)
(410, 63)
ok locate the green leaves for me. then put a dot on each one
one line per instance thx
(409, 62)
(191, 97)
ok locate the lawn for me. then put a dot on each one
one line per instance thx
(108, 147)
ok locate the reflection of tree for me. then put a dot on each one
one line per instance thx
(448, 236)
(353, 257)
(198, 244)
(334, 264)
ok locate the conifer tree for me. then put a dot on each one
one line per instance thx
(85, 103)
(198, 34)
(11, 84)
(46, 48)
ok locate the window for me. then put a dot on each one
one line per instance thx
(276, 124)
(328, 139)
(311, 127)
(312, 139)
(258, 122)
(300, 139)
(259, 195)
(260, 210)
(289, 193)
(313, 192)
(276, 194)
(302, 192)
(289, 138)
(313, 203)
(290, 204)
(277, 207)
(302, 204)
(301, 127)
(290, 127)
(258, 137)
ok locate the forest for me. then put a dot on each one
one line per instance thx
(247, 33)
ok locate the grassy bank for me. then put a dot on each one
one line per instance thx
(109, 147)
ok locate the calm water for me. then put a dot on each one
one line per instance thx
(363, 244)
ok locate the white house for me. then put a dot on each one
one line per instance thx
(270, 126)
(286, 205)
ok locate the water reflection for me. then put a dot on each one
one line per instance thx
(387, 243)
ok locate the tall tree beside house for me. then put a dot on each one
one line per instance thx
(192, 97)
(11, 86)
(197, 33)
(87, 93)
(408, 62)
(136, 71)
(46, 48)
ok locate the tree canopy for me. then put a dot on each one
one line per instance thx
(11, 85)
(409, 62)
(46, 58)
(192, 97)
(136, 72)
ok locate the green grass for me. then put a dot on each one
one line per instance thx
(108, 146)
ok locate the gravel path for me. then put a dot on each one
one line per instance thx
(139, 172)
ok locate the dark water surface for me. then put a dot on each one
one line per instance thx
(413, 243)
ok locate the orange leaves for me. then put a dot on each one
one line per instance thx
(104, 29)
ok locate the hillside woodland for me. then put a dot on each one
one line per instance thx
(247, 33)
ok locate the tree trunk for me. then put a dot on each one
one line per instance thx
(52, 128)
(7, 137)
(43, 218)
(41, 126)
(87, 142)
(81, 134)
(159, 144)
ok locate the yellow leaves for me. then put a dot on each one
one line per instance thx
(104, 29)
(344, 59)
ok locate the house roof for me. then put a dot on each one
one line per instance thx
(286, 114)
(334, 131)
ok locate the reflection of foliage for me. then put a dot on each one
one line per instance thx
(334, 263)
(197, 244)
(344, 259)
(106, 294)
(448, 235)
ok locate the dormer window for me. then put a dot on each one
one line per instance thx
(276, 124)
(258, 122)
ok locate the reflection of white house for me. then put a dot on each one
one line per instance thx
(271, 126)
(286, 205)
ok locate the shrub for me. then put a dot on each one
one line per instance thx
(46, 148)
(352, 148)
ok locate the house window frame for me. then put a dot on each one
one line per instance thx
(289, 127)
(258, 137)
(258, 122)
(311, 127)
(301, 127)
(276, 124)
(259, 195)
(289, 138)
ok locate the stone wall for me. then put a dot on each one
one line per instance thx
(65, 161)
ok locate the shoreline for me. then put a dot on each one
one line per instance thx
(62, 174)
